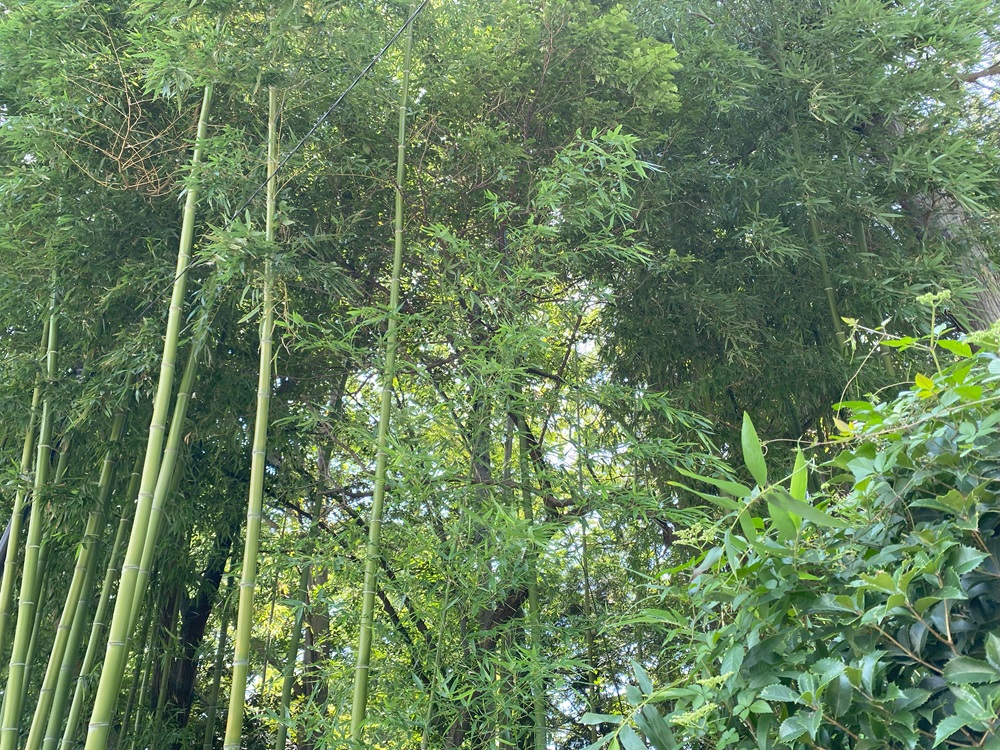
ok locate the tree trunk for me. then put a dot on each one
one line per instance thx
(194, 621)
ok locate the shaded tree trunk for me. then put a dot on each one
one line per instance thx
(194, 621)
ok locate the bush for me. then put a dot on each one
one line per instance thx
(863, 616)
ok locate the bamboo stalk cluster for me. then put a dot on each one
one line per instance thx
(469, 437)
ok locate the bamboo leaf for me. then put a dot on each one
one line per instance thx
(785, 501)
(753, 455)
(787, 529)
(657, 730)
(800, 477)
(591, 719)
(722, 502)
(733, 488)
(630, 740)
(600, 743)
(642, 678)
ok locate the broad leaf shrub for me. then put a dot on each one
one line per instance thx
(863, 616)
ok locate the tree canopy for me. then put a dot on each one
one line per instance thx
(381, 372)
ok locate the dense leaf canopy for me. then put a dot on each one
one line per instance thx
(638, 240)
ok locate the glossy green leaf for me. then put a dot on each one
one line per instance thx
(782, 521)
(792, 728)
(633, 695)
(964, 669)
(645, 684)
(946, 728)
(779, 693)
(839, 695)
(965, 559)
(799, 483)
(600, 743)
(958, 348)
(655, 728)
(993, 650)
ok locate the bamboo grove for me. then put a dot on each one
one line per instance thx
(344, 393)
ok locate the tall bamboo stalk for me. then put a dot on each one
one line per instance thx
(85, 566)
(436, 675)
(31, 573)
(168, 478)
(17, 514)
(36, 596)
(96, 629)
(169, 640)
(116, 655)
(588, 611)
(244, 617)
(292, 655)
(534, 604)
(275, 586)
(814, 232)
(43, 567)
(140, 670)
(212, 709)
(70, 661)
(359, 703)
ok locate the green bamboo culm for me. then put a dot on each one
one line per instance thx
(24, 628)
(534, 602)
(140, 671)
(359, 704)
(116, 655)
(17, 514)
(84, 570)
(436, 675)
(36, 597)
(212, 704)
(244, 615)
(167, 480)
(43, 572)
(814, 232)
(288, 678)
(111, 573)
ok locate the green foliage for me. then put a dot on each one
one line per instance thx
(610, 255)
(864, 616)
(812, 134)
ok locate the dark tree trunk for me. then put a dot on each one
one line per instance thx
(194, 621)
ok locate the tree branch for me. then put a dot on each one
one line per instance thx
(992, 70)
